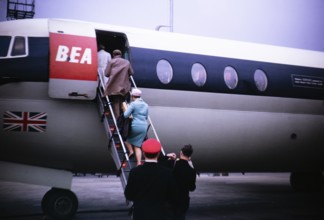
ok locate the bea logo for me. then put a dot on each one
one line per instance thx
(75, 55)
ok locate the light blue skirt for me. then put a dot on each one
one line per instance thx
(137, 135)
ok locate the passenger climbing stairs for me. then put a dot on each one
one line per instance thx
(116, 146)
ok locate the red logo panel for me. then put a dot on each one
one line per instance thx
(73, 57)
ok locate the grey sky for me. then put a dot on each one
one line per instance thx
(292, 23)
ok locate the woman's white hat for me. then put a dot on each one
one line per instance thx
(136, 92)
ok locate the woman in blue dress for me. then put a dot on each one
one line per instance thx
(139, 111)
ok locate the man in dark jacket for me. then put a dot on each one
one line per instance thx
(150, 186)
(185, 176)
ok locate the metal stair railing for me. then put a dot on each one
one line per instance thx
(151, 126)
(116, 144)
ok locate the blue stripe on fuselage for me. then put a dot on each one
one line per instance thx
(35, 68)
(280, 82)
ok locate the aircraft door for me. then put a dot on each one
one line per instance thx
(73, 60)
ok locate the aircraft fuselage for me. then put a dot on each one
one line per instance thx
(233, 124)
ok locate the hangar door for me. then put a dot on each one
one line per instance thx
(73, 60)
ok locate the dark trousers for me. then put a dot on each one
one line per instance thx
(179, 210)
(117, 101)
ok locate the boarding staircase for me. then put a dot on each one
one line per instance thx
(116, 145)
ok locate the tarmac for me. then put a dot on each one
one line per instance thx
(253, 196)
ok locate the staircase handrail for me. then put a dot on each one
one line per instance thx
(101, 82)
(149, 119)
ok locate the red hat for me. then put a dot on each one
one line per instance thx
(151, 146)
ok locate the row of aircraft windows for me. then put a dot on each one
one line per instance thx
(164, 69)
(199, 75)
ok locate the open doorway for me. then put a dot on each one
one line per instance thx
(112, 41)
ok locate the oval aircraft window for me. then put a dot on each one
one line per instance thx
(198, 74)
(230, 77)
(260, 80)
(164, 71)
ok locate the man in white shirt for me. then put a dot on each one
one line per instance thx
(103, 58)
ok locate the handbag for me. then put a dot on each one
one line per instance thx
(124, 126)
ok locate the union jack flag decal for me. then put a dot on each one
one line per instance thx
(24, 121)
